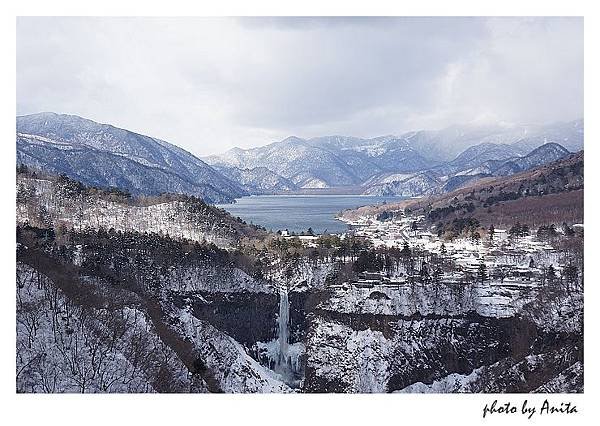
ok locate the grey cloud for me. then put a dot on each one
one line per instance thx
(208, 84)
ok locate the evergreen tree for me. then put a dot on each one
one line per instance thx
(413, 226)
(571, 274)
(515, 230)
(551, 274)
(405, 252)
(482, 273)
(424, 272)
(568, 231)
(437, 275)
(368, 261)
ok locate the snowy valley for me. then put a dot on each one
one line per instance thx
(118, 293)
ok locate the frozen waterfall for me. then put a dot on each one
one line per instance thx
(281, 356)
(283, 332)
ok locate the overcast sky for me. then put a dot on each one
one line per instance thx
(208, 84)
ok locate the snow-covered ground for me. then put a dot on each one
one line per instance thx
(62, 347)
(172, 218)
(233, 369)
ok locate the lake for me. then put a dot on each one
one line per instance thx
(299, 212)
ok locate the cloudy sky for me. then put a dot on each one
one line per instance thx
(208, 84)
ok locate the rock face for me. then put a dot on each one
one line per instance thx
(106, 156)
(386, 354)
(379, 354)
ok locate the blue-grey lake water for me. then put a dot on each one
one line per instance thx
(299, 212)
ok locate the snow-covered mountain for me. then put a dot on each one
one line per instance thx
(474, 163)
(398, 162)
(424, 183)
(327, 161)
(104, 156)
(570, 135)
(539, 156)
(477, 155)
(415, 163)
(446, 144)
(292, 158)
(388, 153)
(258, 180)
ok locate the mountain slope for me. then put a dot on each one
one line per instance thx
(367, 156)
(477, 155)
(542, 155)
(258, 180)
(48, 200)
(331, 161)
(569, 134)
(444, 145)
(550, 193)
(477, 162)
(327, 161)
(103, 155)
(418, 184)
(294, 159)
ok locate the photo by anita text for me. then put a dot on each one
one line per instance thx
(528, 409)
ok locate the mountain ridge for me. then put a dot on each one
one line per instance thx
(367, 162)
(87, 151)
(412, 164)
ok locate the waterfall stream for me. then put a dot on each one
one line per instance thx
(281, 356)
(283, 333)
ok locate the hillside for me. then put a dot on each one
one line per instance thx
(414, 185)
(551, 193)
(542, 155)
(106, 156)
(57, 201)
(476, 155)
